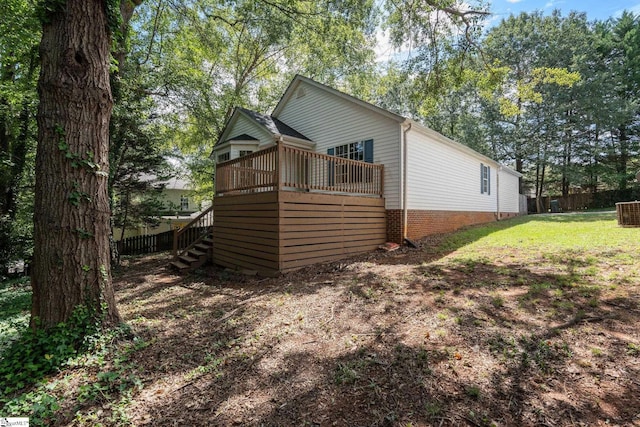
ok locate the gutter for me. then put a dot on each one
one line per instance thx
(405, 205)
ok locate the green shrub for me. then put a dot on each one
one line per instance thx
(37, 353)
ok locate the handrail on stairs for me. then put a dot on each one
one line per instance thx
(191, 234)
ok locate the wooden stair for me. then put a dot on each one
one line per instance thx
(193, 243)
(195, 257)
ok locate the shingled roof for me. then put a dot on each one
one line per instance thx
(243, 137)
(273, 125)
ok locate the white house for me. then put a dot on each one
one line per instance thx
(179, 209)
(431, 183)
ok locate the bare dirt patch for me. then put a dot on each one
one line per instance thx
(398, 339)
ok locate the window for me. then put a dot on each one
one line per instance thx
(361, 151)
(245, 152)
(184, 203)
(224, 157)
(353, 151)
(485, 179)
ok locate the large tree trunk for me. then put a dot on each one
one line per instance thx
(71, 265)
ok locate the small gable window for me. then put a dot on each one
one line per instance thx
(184, 203)
(224, 157)
(485, 179)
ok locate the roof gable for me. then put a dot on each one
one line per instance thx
(273, 125)
(298, 79)
(268, 124)
(226, 134)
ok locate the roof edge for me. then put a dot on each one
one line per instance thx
(300, 78)
(225, 128)
(461, 147)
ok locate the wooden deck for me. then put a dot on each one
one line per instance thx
(277, 231)
(283, 208)
(286, 168)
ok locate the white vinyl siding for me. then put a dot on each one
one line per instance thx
(442, 177)
(245, 125)
(241, 126)
(509, 188)
(331, 121)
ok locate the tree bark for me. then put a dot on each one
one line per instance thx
(71, 265)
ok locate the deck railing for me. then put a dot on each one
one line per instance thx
(287, 168)
(197, 229)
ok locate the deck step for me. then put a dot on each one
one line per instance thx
(203, 247)
(179, 265)
(196, 253)
(195, 257)
(187, 259)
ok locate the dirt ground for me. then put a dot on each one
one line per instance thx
(385, 339)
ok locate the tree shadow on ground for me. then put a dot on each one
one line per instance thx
(387, 339)
(362, 343)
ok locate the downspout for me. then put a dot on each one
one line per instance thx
(498, 191)
(405, 205)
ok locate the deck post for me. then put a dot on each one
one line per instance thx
(175, 243)
(279, 169)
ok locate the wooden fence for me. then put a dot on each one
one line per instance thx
(581, 201)
(139, 245)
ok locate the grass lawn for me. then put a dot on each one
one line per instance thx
(531, 321)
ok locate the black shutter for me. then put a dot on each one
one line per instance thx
(368, 151)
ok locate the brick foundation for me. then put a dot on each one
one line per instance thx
(394, 225)
(507, 215)
(424, 223)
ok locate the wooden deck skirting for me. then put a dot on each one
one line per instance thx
(282, 167)
(277, 231)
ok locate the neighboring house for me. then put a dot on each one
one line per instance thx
(179, 209)
(327, 175)
(178, 199)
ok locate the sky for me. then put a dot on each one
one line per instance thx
(595, 9)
